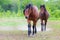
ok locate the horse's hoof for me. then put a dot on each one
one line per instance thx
(35, 32)
(28, 35)
(32, 33)
(41, 30)
(45, 30)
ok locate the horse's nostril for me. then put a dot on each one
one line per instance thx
(26, 17)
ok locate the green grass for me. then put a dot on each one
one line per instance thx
(12, 22)
(22, 35)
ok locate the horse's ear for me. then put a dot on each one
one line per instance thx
(30, 5)
(42, 6)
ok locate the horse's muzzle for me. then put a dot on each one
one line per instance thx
(26, 17)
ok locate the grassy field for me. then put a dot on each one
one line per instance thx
(54, 34)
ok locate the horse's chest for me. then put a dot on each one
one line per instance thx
(43, 16)
(32, 17)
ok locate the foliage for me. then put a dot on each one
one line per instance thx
(15, 7)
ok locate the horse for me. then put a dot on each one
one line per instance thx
(44, 15)
(31, 14)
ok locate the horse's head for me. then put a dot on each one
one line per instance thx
(27, 10)
(42, 8)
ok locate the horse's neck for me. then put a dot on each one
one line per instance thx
(34, 11)
(42, 12)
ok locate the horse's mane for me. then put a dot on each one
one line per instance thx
(44, 10)
(43, 7)
(27, 6)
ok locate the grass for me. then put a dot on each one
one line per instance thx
(12, 21)
(22, 35)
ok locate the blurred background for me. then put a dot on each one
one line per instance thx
(14, 8)
(13, 25)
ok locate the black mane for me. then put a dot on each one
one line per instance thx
(43, 7)
(27, 6)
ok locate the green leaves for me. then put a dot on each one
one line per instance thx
(16, 6)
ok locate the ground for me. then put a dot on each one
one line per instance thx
(15, 29)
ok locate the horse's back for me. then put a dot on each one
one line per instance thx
(35, 11)
(35, 8)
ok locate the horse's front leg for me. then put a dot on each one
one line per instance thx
(34, 27)
(29, 28)
(45, 25)
(42, 25)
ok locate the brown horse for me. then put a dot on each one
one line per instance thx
(44, 15)
(31, 14)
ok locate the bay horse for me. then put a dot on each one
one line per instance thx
(44, 15)
(31, 14)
